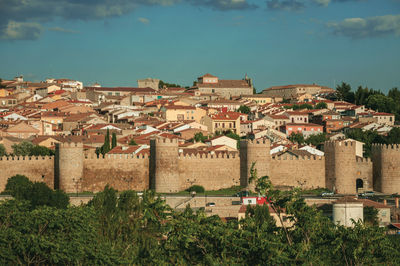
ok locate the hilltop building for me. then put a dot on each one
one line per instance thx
(209, 84)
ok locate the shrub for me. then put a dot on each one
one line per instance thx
(196, 188)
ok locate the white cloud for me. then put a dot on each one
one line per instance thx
(21, 31)
(59, 29)
(358, 28)
(322, 2)
(144, 20)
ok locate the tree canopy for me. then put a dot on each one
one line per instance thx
(27, 148)
(244, 109)
(3, 151)
(37, 193)
(125, 228)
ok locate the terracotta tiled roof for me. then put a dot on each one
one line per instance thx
(226, 116)
(382, 114)
(121, 150)
(125, 89)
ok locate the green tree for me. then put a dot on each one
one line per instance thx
(27, 148)
(344, 92)
(244, 109)
(199, 137)
(297, 138)
(316, 140)
(18, 186)
(37, 193)
(306, 106)
(132, 142)
(114, 140)
(371, 215)
(3, 151)
(49, 236)
(381, 103)
(38, 150)
(394, 93)
(163, 84)
(22, 149)
(106, 146)
(321, 105)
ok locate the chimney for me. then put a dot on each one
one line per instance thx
(396, 200)
(384, 202)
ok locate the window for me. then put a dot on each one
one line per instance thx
(110, 93)
(117, 93)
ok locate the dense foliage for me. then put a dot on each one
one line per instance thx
(369, 137)
(373, 99)
(244, 109)
(27, 148)
(128, 229)
(316, 140)
(3, 151)
(37, 193)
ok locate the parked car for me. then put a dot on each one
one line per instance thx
(367, 194)
(210, 204)
(327, 194)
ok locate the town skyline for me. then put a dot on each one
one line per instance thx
(274, 42)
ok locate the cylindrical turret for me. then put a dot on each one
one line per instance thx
(70, 167)
(252, 151)
(164, 165)
(340, 163)
(386, 168)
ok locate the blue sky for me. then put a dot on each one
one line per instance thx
(276, 42)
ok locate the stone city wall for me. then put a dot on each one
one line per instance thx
(40, 169)
(386, 168)
(122, 172)
(212, 172)
(306, 172)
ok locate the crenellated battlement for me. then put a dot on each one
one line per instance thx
(161, 140)
(262, 142)
(26, 158)
(297, 158)
(116, 157)
(341, 144)
(381, 147)
(363, 160)
(71, 145)
(208, 156)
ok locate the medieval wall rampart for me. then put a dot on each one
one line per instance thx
(303, 171)
(364, 173)
(257, 152)
(213, 172)
(40, 169)
(386, 168)
(340, 163)
(122, 172)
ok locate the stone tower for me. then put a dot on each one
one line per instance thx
(340, 166)
(386, 168)
(252, 151)
(164, 171)
(68, 167)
